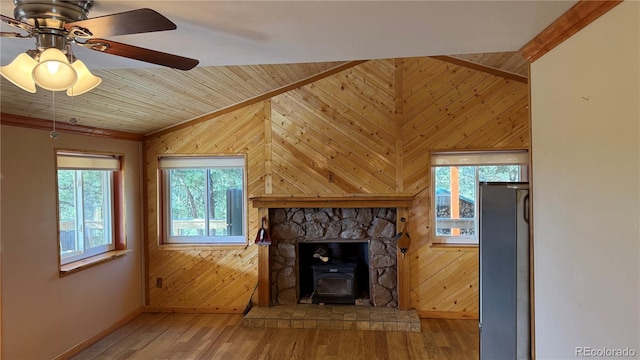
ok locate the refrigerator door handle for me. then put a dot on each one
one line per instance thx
(525, 209)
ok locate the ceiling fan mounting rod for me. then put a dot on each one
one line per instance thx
(51, 13)
(52, 39)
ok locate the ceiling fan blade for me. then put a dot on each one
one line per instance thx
(124, 23)
(13, 35)
(16, 23)
(142, 54)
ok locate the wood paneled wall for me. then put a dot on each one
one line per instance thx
(207, 280)
(369, 129)
(448, 107)
(340, 127)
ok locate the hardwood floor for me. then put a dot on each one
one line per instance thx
(219, 336)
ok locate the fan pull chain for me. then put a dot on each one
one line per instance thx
(73, 119)
(54, 133)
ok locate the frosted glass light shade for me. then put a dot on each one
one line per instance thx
(54, 71)
(86, 80)
(19, 72)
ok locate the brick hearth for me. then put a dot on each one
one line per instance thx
(334, 317)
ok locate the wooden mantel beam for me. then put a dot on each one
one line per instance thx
(333, 201)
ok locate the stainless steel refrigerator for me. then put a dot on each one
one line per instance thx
(504, 271)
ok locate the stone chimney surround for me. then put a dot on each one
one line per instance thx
(399, 202)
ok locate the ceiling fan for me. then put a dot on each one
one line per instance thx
(56, 25)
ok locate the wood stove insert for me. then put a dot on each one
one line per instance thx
(335, 283)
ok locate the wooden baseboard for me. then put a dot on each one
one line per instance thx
(423, 314)
(93, 339)
(194, 309)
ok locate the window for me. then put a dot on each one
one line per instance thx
(86, 204)
(203, 200)
(456, 177)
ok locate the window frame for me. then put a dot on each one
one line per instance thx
(108, 202)
(89, 160)
(476, 158)
(169, 162)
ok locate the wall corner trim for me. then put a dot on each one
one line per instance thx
(583, 13)
(61, 126)
(483, 68)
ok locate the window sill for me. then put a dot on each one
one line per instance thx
(200, 247)
(73, 267)
(454, 247)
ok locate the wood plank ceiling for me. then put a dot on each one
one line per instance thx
(143, 101)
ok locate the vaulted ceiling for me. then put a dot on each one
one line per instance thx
(247, 49)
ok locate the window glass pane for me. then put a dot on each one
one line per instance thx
(456, 186)
(466, 202)
(226, 202)
(85, 213)
(455, 200)
(507, 173)
(187, 202)
(206, 200)
(96, 207)
(67, 214)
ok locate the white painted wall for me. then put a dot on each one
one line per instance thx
(44, 315)
(586, 188)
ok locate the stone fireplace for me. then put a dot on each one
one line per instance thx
(307, 240)
(298, 223)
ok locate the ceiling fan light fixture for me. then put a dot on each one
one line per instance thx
(86, 80)
(53, 71)
(57, 24)
(19, 72)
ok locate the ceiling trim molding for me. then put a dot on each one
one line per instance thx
(483, 68)
(255, 99)
(63, 127)
(583, 13)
